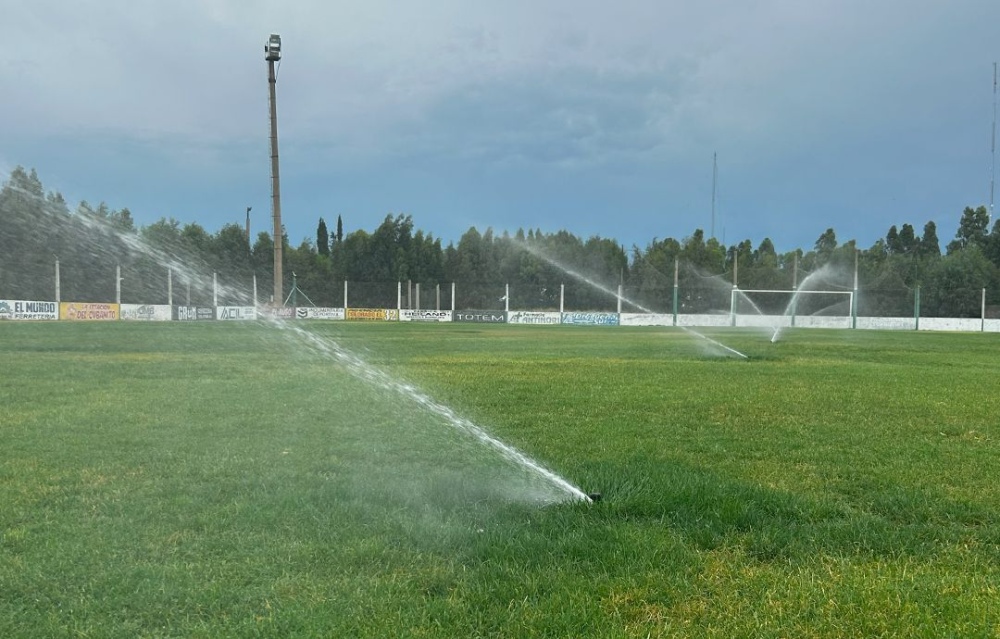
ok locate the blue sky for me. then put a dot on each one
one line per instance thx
(599, 118)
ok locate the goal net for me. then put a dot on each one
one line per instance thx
(804, 303)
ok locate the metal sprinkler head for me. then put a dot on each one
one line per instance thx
(594, 497)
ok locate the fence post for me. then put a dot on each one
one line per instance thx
(677, 265)
(854, 296)
(506, 298)
(619, 299)
(399, 295)
(452, 297)
(58, 291)
(437, 303)
(170, 286)
(793, 306)
(982, 326)
(418, 296)
(345, 296)
(916, 308)
(562, 298)
(215, 289)
(795, 286)
(118, 283)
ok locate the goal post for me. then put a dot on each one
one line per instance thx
(785, 306)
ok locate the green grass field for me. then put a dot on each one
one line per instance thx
(217, 479)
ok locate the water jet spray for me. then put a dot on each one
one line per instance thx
(586, 280)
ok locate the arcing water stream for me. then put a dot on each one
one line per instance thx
(380, 379)
(360, 369)
(817, 275)
(596, 285)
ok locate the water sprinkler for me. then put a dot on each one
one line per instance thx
(594, 497)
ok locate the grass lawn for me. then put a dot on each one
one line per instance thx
(229, 479)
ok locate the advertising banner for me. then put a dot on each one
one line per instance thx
(646, 319)
(480, 317)
(372, 314)
(319, 312)
(236, 313)
(533, 317)
(192, 313)
(282, 312)
(25, 310)
(590, 319)
(88, 311)
(408, 315)
(146, 312)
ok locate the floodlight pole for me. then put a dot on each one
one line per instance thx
(272, 54)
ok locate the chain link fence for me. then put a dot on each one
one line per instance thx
(145, 282)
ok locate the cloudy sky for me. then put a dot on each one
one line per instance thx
(596, 117)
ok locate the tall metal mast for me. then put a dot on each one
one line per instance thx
(715, 175)
(993, 141)
(272, 53)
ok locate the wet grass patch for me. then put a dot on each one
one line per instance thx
(228, 480)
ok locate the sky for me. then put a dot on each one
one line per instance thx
(598, 118)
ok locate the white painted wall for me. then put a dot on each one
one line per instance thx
(808, 321)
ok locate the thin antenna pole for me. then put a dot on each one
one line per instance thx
(993, 141)
(715, 175)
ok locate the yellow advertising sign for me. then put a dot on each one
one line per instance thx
(373, 314)
(88, 311)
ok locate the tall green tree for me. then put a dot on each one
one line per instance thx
(992, 248)
(908, 242)
(892, 244)
(955, 284)
(825, 245)
(929, 244)
(322, 238)
(972, 229)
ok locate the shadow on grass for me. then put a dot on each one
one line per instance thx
(710, 510)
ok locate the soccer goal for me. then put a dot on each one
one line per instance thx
(819, 306)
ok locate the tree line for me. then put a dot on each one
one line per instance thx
(90, 241)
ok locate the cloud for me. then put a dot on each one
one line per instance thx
(827, 100)
(362, 74)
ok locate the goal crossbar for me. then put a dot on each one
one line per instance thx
(790, 291)
(790, 294)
